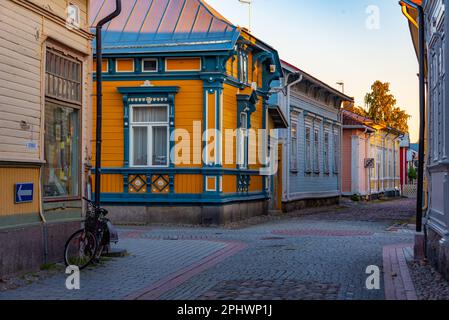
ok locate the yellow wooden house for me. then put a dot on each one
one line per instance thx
(45, 90)
(179, 82)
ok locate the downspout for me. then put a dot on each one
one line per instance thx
(41, 215)
(422, 112)
(289, 135)
(99, 76)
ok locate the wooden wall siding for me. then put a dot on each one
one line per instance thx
(9, 177)
(211, 125)
(229, 184)
(256, 124)
(188, 183)
(230, 120)
(182, 64)
(104, 65)
(110, 183)
(188, 108)
(256, 184)
(124, 65)
(302, 183)
(58, 7)
(23, 34)
(211, 183)
(346, 156)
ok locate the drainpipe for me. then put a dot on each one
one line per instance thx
(422, 111)
(98, 28)
(41, 215)
(289, 135)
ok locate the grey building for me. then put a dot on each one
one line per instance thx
(437, 125)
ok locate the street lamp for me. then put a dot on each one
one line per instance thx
(248, 2)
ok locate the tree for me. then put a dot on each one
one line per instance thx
(412, 174)
(382, 107)
(351, 107)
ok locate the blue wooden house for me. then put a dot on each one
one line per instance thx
(312, 145)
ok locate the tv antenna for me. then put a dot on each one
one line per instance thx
(249, 3)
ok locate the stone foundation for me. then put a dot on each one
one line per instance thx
(27, 248)
(298, 205)
(186, 215)
(438, 252)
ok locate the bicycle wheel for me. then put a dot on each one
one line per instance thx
(80, 249)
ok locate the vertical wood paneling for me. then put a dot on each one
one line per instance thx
(8, 178)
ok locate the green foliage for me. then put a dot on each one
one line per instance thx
(412, 174)
(355, 197)
(382, 107)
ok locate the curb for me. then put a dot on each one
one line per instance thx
(397, 280)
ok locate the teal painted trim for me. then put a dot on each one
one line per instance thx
(179, 170)
(18, 220)
(111, 67)
(126, 130)
(181, 54)
(178, 199)
(147, 90)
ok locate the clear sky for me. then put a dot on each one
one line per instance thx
(330, 40)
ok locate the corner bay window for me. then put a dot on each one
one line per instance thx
(63, 89)
(149, 136)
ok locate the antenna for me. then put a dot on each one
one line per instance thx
(342, 84)
(248, 2)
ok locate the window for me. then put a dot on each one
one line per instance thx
(316, 151)
(336, 152)
(242, 138)
(243, 67)
(62, 77)
(149, 65)
(294, 147)
(326, 152)
(149, 136)
(308, 154)
(62, 125)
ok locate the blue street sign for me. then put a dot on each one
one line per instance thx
(24, 192)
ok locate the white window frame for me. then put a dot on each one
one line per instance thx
(337, 146)
(126, 71)
(243, 142)
(149, 126)
(316, 149)
(150, 59)
(294, 146)
(308, 149)
(326, 151)
(243, 61)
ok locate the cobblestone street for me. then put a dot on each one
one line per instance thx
(319, 256)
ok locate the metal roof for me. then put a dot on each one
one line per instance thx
(291, 68)
(163, 26)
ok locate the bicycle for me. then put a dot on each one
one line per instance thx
(87, 244)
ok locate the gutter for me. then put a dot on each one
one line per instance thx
(422, 111)
(99, 79)
(289, 135)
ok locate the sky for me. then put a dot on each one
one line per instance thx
(339, 41)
